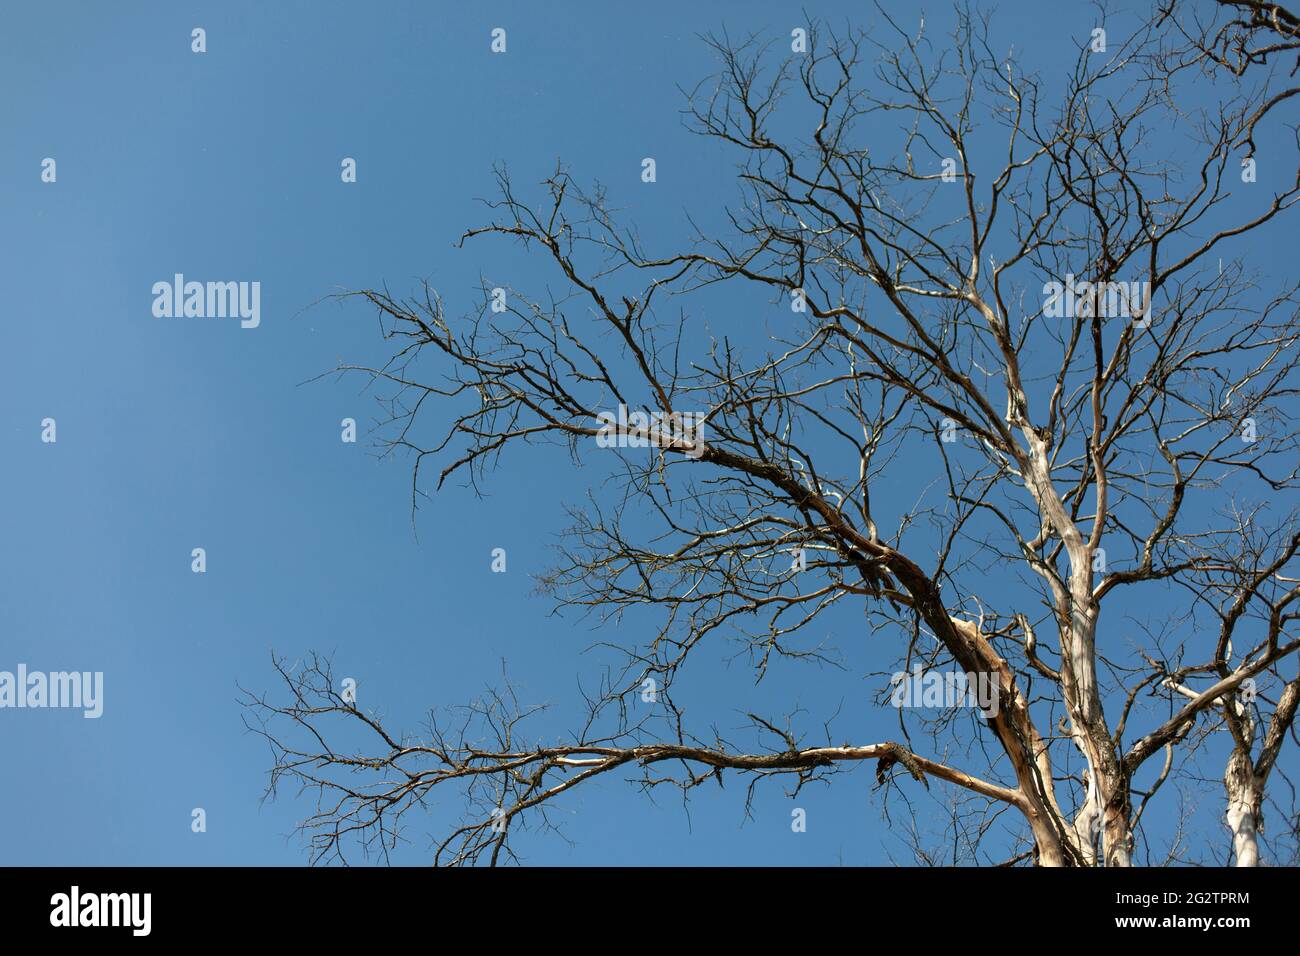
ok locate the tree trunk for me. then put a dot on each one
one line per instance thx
(1243, 808)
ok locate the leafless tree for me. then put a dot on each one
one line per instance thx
(1123, 438)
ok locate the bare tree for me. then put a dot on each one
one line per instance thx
(1030, 297)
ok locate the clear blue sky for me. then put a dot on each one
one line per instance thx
(181, 434)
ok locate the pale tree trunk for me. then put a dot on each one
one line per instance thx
(1244, 780)
(1244, 789)
(1244, 798)
(1106, 808)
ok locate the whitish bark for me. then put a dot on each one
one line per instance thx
(1244, 796)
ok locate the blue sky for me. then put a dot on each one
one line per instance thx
(181, 434)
